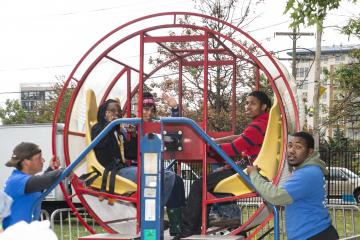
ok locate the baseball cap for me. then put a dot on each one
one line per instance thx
(24, 150)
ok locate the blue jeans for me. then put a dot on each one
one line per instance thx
(169, 179)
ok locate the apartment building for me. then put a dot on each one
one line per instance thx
(331, 57)
(33, 94)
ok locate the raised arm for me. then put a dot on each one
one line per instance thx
(39, 183)
(171, 102)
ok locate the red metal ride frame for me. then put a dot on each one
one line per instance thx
(180, 55)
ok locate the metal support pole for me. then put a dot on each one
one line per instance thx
(141, 76)
(152, 177)
(205, 116)
(128, 92)
(180, 86)
(276, 223)
(257, 78)
(139, 113)
(233, 98)
(293, 61)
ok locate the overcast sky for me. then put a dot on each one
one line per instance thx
(41, 39)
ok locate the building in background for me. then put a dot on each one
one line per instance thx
(331, 57)
(34, 94)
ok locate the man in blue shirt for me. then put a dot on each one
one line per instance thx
(23, 186)
(303, 194)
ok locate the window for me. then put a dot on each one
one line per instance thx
(49, 95)
(303, 84)
(307, 71)
(324, 58)
(336, 174)
(349, 173)
(304, 95)
(340, 57)
(324, 97)
(300, 72)
(25, 105)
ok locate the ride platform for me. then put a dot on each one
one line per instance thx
(117, 236)
(109, 236)
(206, 237)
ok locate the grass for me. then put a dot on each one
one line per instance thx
(71, 230)
(346, 222)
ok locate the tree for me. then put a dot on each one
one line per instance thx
(219, 77)
(13, 113)
(346, 109)
(352, 28)
(312, 12)
(45, 112)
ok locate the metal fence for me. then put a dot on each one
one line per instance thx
(67, 226)
(343, 182)
(343, 187)
(346, 219)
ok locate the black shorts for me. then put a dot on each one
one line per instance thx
(328, 234)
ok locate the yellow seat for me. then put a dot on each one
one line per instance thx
(267, 160)
(122, 185)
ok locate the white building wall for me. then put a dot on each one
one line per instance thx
(306, 84)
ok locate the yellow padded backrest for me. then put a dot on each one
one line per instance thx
(122, 185)
(91, 114)
(269, 155)
(268, 158)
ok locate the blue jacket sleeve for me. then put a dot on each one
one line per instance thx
(175, 112)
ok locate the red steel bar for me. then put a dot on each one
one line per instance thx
(180, 87)
(128, 92)
(206, 50)
(214, 50)
(210, 63)
(257, 78)
(163, 46)
(140, 108)
(123, 64)
(205, 115)
(233, 100)
(197, 38)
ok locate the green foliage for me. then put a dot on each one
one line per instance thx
(347, 78)
(13, 113)
(352, 28)
(338, 142)
(47, 110)
(309, 12)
